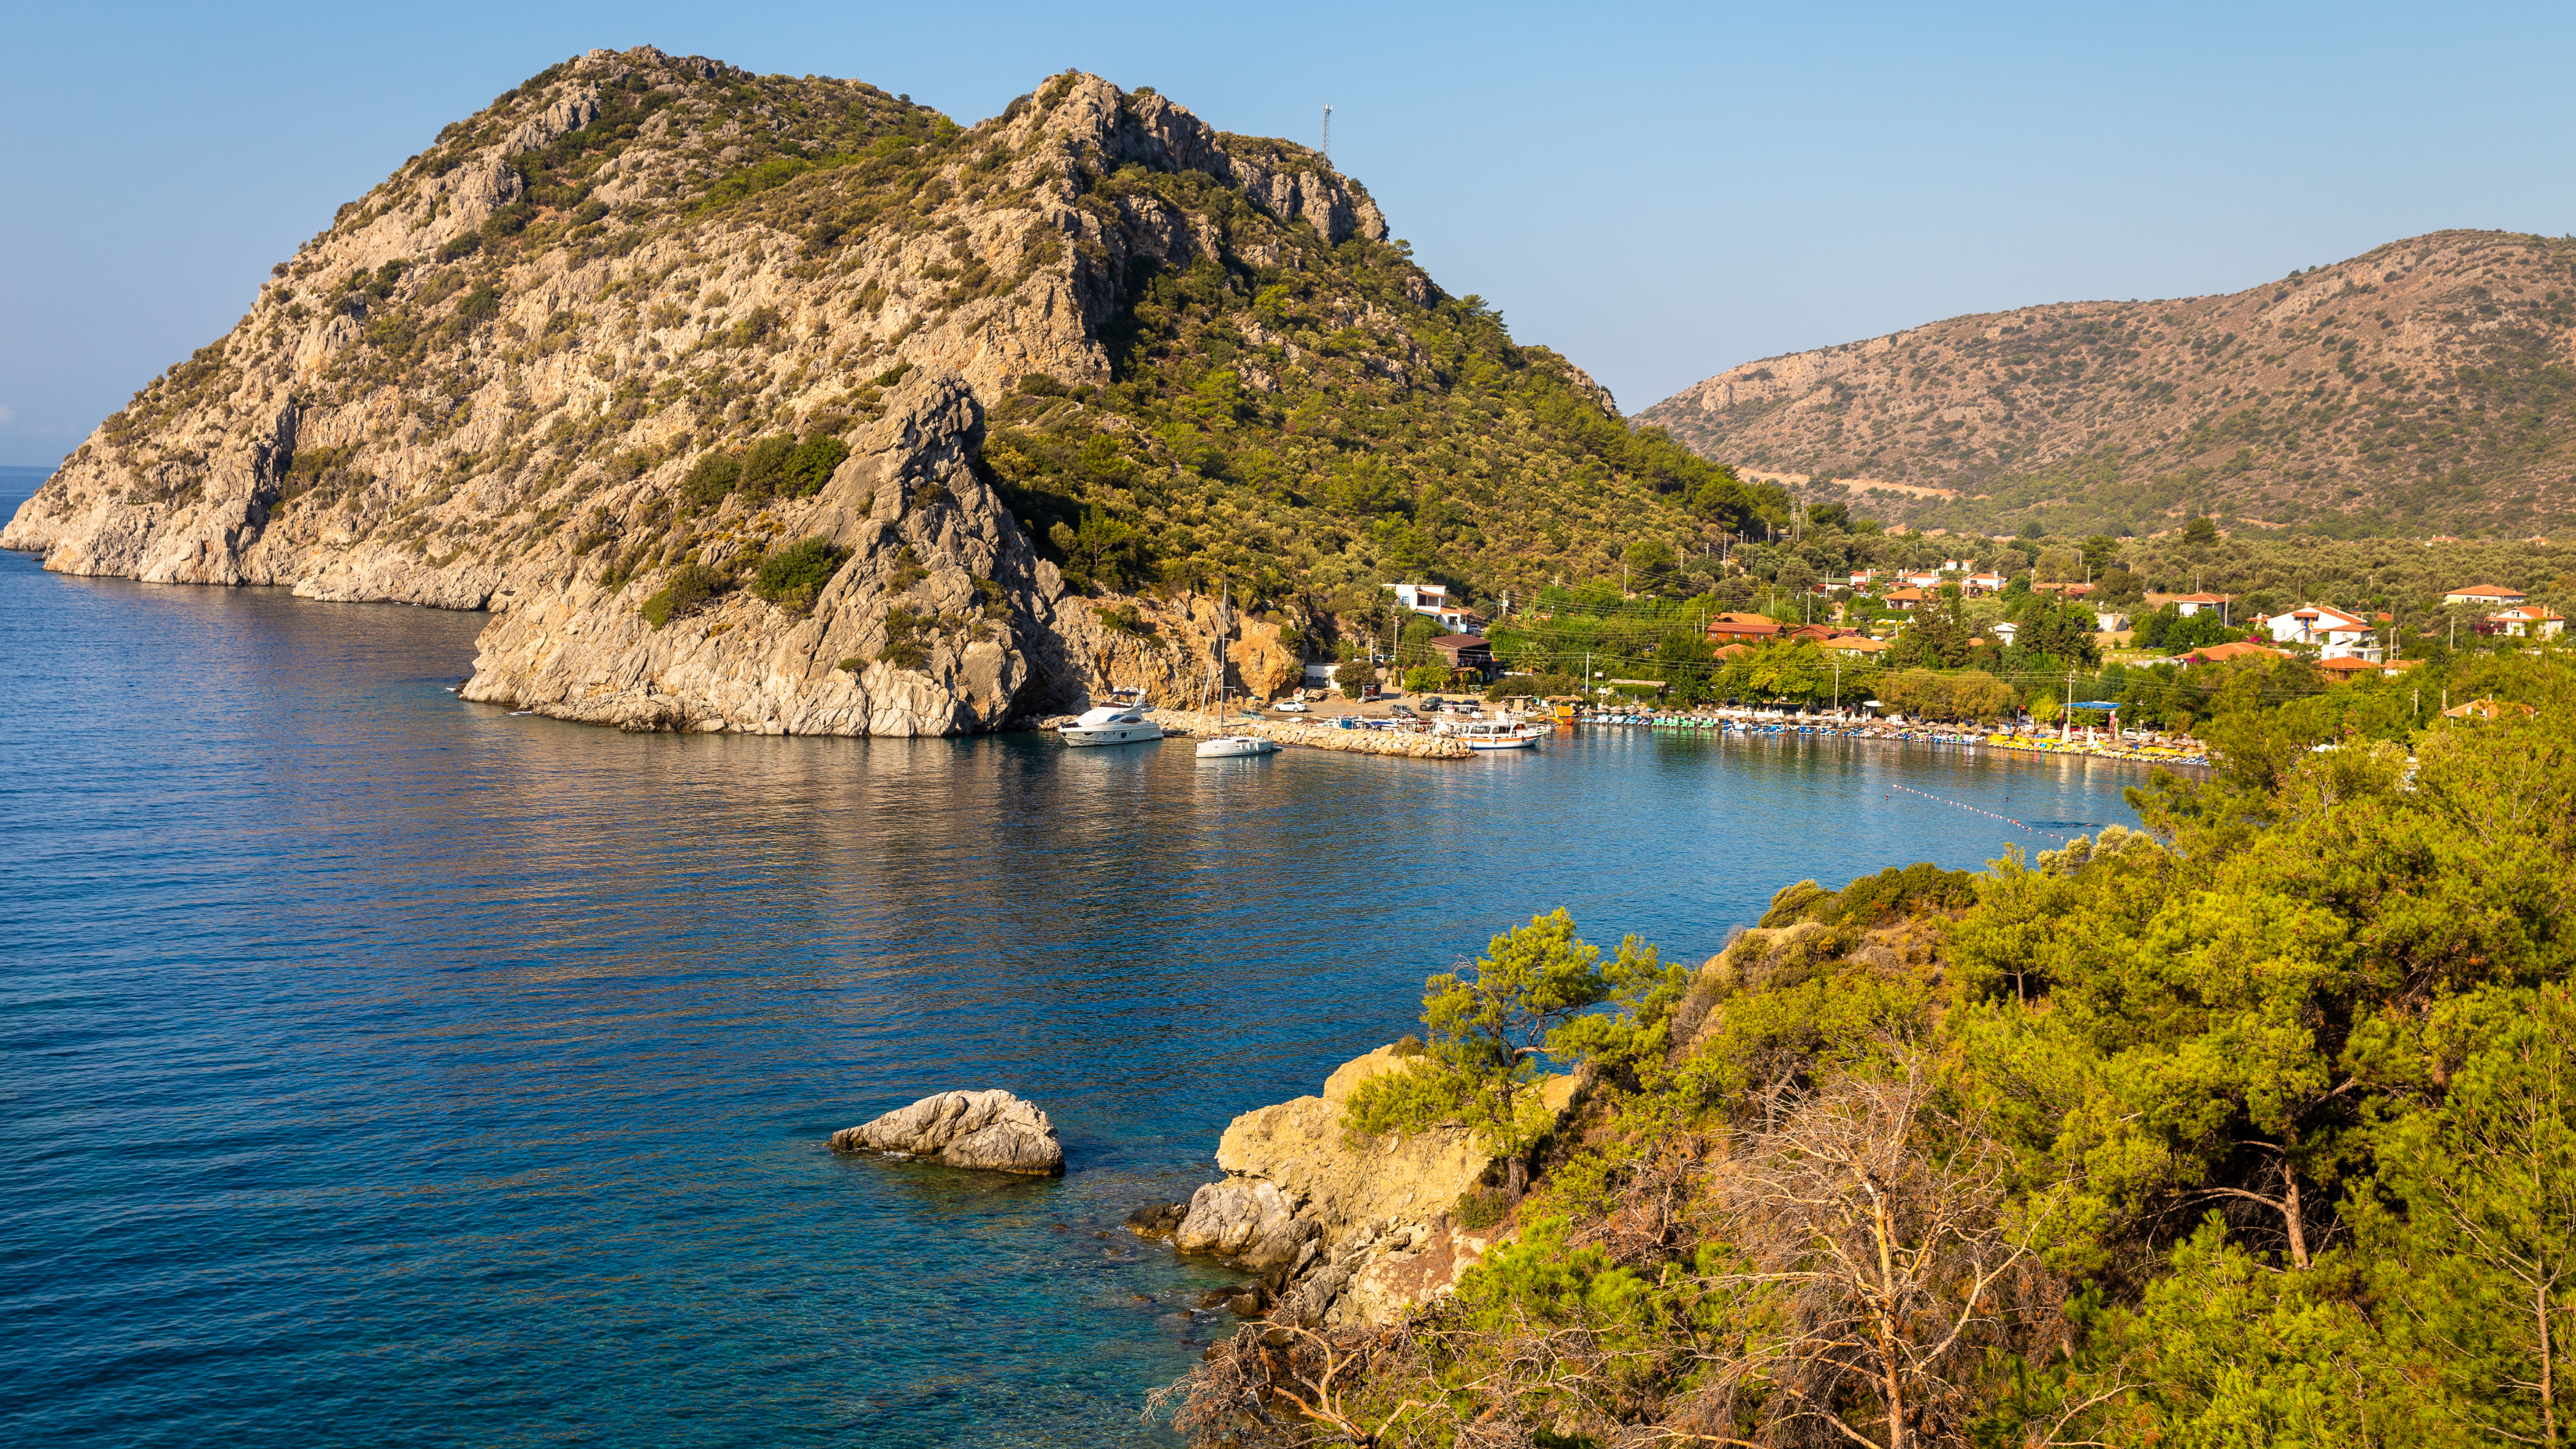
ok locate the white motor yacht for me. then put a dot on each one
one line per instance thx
(1120, 722)
(1235, 747)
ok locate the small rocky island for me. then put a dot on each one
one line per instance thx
(990, 1129)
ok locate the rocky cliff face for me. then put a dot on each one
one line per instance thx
(649, 322)
(2419, 387)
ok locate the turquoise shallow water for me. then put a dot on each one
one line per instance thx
(379, 1068)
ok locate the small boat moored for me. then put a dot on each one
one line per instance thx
(1236, 747)
(1486, 734)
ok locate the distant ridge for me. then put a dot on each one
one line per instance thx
(2423, 387)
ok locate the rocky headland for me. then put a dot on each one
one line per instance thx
(1344, 1231)
(778, 404)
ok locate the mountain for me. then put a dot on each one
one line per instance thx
(610, 352)
(2422, 388)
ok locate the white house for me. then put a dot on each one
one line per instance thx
(2336, 634)
(2190, 604)
(2530, 621)
(1985, 583)
(1432, 601)
(2492, 596)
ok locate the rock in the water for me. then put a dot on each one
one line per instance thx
(989, 1129)
(1244, 1222)
(1157, 1219)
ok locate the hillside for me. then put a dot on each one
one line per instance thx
(647, 321)
(2423, 388)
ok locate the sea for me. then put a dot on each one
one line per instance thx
(379, 1068)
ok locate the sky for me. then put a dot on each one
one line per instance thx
(1658, 191)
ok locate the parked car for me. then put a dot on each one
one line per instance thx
(1400, 712)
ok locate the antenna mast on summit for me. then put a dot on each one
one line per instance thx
(1328, 133)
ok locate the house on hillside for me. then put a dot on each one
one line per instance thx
(2351, 668)
(2337, 634)
(2072, 591)
(2531, 621)
(2492, 596)
(1985, 583)
(1853, 644)
(1905, 599)
(1744, 628)
(2234, 649)
(1432, 601)
(2189, 605)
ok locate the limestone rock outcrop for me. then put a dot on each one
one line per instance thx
(1351, 1233)
(990, 1129)
(1248, 1222)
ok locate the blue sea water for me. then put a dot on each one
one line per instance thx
(378, 1068)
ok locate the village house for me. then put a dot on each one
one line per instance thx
(2189, 605)
(2531, 621)
(1905, 598)
(2337, 635)
(1743, 628)
(1432, 601)
(2233, 649)
(2493, 596)
(1985, 583)
(2351, 668)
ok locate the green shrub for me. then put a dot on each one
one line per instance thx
(1354, 678)
(1039, 384)
(763, 466)
(709, 480)
(907, 570)
(793, 578)
(479, 304)
(904, 648)
(1426, 678)
(811, 466)
(853, 664)
(689, 590)
(1478, 1208)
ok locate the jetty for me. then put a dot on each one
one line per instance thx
(1410, 744)
(1752, 723)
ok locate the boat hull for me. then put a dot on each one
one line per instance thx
(1118, 734)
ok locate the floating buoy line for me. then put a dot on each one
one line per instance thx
(1978, 810)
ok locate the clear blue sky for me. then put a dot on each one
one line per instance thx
(1658, 191)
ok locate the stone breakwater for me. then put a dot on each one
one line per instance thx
(1321, 737)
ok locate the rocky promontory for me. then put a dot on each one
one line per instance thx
(1343, 1232)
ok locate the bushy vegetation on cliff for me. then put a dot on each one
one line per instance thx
(1316, 429)
(2256, 1127)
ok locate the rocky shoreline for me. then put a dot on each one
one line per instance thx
(1341, 1234)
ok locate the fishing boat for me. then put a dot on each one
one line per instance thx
(1236, 747)
(1494, 734)
(1120, 722)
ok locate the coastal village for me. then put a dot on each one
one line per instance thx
(1410, 690)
